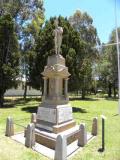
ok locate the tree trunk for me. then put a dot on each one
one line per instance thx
(114, 90)
(83, 89)
(83, 93)
(25, 90)
(95, 88)
(109, 90)
(1, 100)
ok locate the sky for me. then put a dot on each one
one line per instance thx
(101, 11)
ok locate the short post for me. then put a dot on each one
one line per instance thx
(82, 141)
(9, 127)
(33, 118)
(30, 136)
(103, 134)
(61, 148)
(95, 127)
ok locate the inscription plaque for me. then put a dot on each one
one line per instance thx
(64, 114)
(47, 114)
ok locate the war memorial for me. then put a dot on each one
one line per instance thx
(53, 130)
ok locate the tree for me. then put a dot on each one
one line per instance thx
(108, 68)
(72, 48)
(78, 53)
(82, 23)
(29, 38)
(9, 56)
(29, 17)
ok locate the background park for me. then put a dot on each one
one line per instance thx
(26, 40)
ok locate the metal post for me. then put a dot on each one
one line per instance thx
(103, 134)
(118, 54)
(102, 149)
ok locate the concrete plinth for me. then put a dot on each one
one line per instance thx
(48, 139)
(72, 149)
(63, 127)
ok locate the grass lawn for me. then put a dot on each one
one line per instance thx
(84, 111)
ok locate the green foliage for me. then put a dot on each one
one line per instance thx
(108, 68)
(71, 48)
(9, 56)
(78, 51)
(83, 24)
(10, 7)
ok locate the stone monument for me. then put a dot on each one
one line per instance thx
(55, 113)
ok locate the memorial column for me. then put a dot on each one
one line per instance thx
(45, 88)
(66, 88)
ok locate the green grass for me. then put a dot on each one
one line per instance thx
(84, 111)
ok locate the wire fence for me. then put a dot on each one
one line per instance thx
(22, 119)
(20, 125)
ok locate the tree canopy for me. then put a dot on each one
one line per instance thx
(83, 24)
(75, 49)
(108, 66)
(9, 55)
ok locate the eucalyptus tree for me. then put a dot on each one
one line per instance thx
(83, 24)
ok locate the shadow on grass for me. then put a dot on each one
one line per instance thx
(115, 115)
(30, 109)
(111, 99)
(8, 106)
(80, 99)
(22, 101)
(100, 150)
(34, 109)
(76, 109)
(10, 103)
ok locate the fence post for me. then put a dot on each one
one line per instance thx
(9, 127)
(30, 136)
(95, 126)
(103, 132)
(33, 118)
(61, 148)
(82, 140)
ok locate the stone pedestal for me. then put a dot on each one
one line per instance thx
(48, 139)
(54, 116)
(55, 112)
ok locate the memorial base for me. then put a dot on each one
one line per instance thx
(48, 139)
(55, 118)
(63, 127)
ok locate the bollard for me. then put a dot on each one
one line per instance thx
(9, 127)
(33, 118)
(82, 140)
(95, 127)
(30, 136)
(61, 148)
